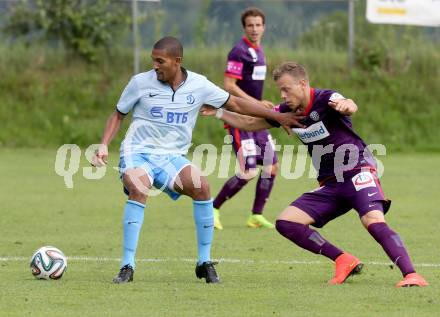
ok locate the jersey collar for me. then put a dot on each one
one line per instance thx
(310, 104)
(185, 77)
(185, 73)
(250, 44)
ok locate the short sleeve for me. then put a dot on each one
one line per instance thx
(215, 96)
(130, 96)
(335, 96)
(234, 67)
(324, 109)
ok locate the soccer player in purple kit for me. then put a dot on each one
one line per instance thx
(244, 77)
(346, 173)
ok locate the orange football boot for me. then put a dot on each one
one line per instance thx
(412, 279)
(346, 265)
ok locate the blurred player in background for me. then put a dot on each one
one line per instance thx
(346, 174)
(165, 102)
(244, 77)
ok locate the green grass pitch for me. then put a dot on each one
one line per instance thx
(262, 273)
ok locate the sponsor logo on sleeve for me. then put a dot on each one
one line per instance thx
(314, 132)
(363, 180)
(234, 68)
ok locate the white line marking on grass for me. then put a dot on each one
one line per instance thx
(221, 260)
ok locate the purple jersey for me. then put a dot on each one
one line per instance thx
(247, 63)
(330, 138)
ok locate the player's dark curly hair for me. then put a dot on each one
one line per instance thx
(252, 12)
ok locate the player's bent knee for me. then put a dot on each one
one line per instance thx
(271, 169)
(294, 214)
(246, 177)
(274, 169)
(136, 193)
(249, 174)
(139, 197)
(137, 183)
(202, 192)
(371, 217)
(290, 230)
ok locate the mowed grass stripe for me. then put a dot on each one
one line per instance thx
(221, 260)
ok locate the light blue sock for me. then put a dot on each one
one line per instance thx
(133, 219)
(204, 220)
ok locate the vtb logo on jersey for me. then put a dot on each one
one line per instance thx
(170, 116)
(156, 112)
(177, 117)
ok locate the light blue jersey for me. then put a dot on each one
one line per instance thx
(163, 119)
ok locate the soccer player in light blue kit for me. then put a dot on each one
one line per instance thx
(165, 103)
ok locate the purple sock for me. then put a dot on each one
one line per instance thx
(392, 245)
(307, 238)
(230, 188)
(262, 192)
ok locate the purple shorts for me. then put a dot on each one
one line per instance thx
(360, 190)
(253, 148)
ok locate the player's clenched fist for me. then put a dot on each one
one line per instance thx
(343, 106)
(207, 111)
(101, 156)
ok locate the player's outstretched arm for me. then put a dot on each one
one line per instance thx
(246, 107)
(230, 85)
(236, 120)
(111, 129)
(344, 106)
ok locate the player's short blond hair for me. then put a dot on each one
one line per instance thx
(293, 69)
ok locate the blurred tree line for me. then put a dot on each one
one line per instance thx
(90, 28)
(86, 27)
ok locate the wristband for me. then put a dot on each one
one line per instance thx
(219, 113)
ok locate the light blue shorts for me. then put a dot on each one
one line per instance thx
(161, 170)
